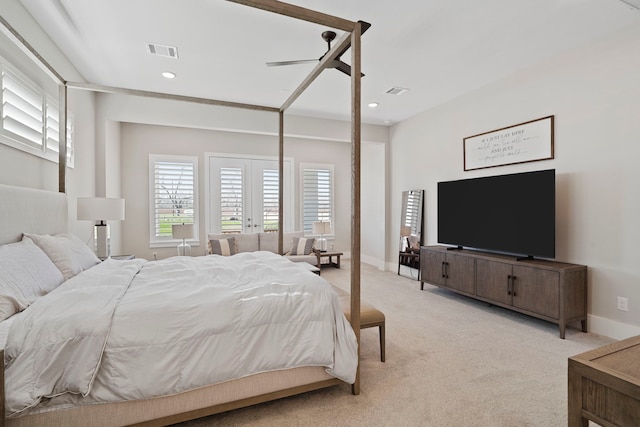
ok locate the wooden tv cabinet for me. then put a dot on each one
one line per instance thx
(549, 290)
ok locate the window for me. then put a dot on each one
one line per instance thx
(53, 134)
(231, 200)
(29, 118)
(173, 196)
(270, 200)
(317, 195)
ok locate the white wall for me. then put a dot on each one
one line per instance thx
(595, 96)
(139, 140)
(373, 222)
(170, 127)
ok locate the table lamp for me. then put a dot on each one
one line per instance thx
(184, 232)
(322, 228)
(101, 209)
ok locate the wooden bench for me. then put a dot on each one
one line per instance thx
(369, 316)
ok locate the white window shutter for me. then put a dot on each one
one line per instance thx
(173, 191)
(317, 196)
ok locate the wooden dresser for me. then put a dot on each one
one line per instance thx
(549, 290)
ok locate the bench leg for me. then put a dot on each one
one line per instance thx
(382, 343)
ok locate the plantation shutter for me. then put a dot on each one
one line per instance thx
(317, 197)
(29, 117)
(174, 194)
(52, 131)
(22, 110)
(270, 201)
(231, 199)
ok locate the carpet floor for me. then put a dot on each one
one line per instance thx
(450, 361)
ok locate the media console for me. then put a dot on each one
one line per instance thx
(549, 290)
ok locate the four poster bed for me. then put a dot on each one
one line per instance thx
(54, 395)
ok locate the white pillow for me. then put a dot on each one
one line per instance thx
(25, 274)
(68, 253)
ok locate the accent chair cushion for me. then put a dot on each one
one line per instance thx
(225, 247)
(301, 246)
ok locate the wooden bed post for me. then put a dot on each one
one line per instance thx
(280, 182)
(62, 139)
(356, 79)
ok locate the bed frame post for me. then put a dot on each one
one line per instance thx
(355, 200)
(62, 138)
(280, 181)
(2, 388)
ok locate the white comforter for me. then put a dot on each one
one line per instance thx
(128, 330)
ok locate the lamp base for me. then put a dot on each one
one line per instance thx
(322, 244)
(184, 249)
(102, 241)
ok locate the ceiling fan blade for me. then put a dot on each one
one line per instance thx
(300, 61)
(343, 67)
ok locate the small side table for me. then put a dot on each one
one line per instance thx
(120, 257)
(604, 385)
(329, 255)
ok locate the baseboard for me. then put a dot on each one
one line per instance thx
(611, 328)
(379, 264)
(366, 259)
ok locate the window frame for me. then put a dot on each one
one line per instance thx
(317, 166)
(40, 149)
(163, 242)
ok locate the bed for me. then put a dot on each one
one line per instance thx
(96, 316)
(228, 394)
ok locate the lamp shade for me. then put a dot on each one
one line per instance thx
(405, 231)
(182, 231)
(100, 208)
(321, 227)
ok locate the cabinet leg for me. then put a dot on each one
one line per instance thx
(421, 285)
(562, 327)
(583, 323)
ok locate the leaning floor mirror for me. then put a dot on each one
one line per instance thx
(411, 222)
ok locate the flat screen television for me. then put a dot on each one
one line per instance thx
(511, 214)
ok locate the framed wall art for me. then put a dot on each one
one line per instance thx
(525, 142)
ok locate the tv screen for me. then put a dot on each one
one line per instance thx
(513, 214)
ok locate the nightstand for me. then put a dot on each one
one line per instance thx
(120, 257)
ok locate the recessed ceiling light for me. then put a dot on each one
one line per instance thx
(373, 104)
(168, 75)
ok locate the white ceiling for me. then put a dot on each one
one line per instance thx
(439, 49)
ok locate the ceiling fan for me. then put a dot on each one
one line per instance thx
(327, 36)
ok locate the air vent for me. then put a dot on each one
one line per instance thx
(395, 90)
(158, 49)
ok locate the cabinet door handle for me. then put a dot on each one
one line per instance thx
(446, 270)
(513, 285)
(442, 269)
(509, 285)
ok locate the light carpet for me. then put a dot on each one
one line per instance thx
(450, 361)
